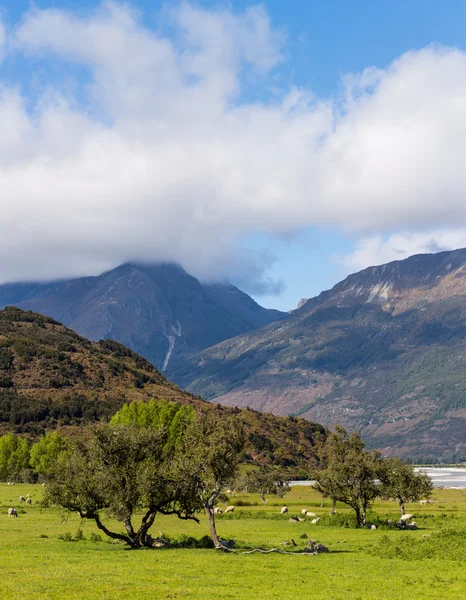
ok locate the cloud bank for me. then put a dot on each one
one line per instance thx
(141, 143)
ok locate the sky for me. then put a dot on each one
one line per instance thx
(280, 145)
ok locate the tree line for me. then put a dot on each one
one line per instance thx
(164, 458)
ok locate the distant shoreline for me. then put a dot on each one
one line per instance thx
(453, 478)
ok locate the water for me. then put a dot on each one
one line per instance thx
(448, 477)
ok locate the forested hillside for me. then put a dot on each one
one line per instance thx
(51, 377)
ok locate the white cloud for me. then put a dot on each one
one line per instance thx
(158, 156)
(377, 249)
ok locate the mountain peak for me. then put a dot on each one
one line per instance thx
(157, 309)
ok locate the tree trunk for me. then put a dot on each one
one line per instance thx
(213, 530)
(402, 506)
(360, 516)
(146, 524)
(322, 502)
(333, 511)
(111, 534)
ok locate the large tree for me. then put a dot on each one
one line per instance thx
(120, 470)
(212, 448)
(348, 472)
(400, 482)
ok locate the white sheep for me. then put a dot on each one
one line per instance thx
(284, 510)
(229, 509)
(12, 512)
(28, 500)
(22, 499)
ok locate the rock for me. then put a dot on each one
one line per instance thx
(317, 548)
(373, 526)
(294, 520)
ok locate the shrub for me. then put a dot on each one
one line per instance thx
(449, 544)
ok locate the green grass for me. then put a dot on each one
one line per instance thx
(362, 564)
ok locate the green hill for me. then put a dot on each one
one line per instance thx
(51, 377)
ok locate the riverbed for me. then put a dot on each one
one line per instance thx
(442, 477)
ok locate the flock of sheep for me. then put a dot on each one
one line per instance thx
(12, 512)
(283, 511)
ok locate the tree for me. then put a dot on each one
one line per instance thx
(211, 455)
(400, 482)
(170, 417)
(45, 453)
(348, 473)
(14, 456)
(122, 469)
(266, 481)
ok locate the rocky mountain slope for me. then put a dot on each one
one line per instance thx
(384, 351)
(52, 377)
(159, 311)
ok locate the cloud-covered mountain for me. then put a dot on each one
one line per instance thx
(157, 310)
(384, 351)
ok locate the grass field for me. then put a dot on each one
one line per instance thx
(362, 565)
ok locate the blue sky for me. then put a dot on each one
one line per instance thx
(235, 196)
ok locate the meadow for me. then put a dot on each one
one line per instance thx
(44, 556)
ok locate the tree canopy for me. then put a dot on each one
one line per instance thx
(349, 472)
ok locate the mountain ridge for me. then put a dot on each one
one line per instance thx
(383, 351)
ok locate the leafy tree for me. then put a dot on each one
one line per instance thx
(400, 482)
(14, 456)
(266, 481)
(349, 472)
(122, 469)
(169, 417)
(46, 452)
(210, 458)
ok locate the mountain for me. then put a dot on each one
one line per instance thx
(159, 310)
(52, 377)
(384, 351)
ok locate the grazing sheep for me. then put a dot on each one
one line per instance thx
(304, 511)
(28, 500)
(218, 511)
(22, 499)
(12, 512)
(405, 518)
(229, 509)
(28, 495)
(315, 521)
(284, 510)
(310, 514)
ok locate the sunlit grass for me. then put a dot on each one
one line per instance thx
(35, 566)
